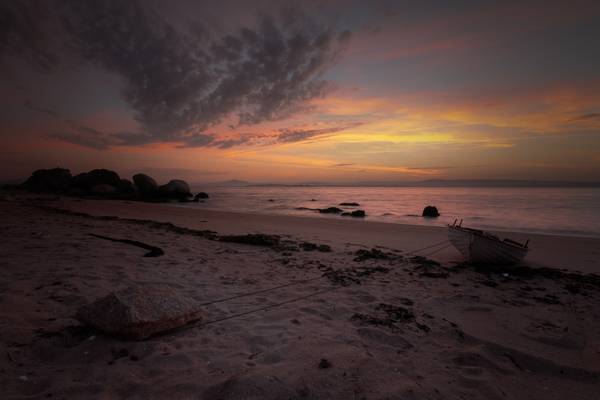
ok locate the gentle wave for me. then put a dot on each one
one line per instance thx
(556, 211)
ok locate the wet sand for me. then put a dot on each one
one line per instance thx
(388, 327)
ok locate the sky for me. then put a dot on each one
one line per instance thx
(291, 92)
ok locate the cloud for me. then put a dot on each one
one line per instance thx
(342, 165)
(178, 82)
(585, 117)
(299, 135)
(24, 28)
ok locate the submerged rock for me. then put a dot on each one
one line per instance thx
(352, 204)
(201, 195)
(55, 180)
(330, 210)
(138, 313)
(431, 211)
(356, 213)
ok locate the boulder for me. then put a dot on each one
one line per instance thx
(175, 189)
(356, 213)
(87, 180)
(138, 313)
(352, 204)
(430, 211)
(126, 187)
(201, 195)
(145, 184)
(330, 210)
(103, 190)
(55, 180)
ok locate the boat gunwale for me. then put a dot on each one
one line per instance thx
(482, 234)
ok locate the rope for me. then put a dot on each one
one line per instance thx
(438, 250)
(255, 310)
(262, 290)
(446, 241)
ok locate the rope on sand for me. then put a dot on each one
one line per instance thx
(443, 242)
(267, 307)
(264, 290)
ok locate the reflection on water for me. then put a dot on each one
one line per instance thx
(570, 211)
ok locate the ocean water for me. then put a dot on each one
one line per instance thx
(558, 211)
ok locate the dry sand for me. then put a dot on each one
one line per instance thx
(403, 329)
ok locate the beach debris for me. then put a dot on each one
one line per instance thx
(349, 276)
(406, 301)
(389, 316)
(254, 239)
(308, 246)
(350, 204)
(355, 214)
(138, 313)
(330, 210)
(153, 250)
(548, 299)
(373, 254)
(430, 211)
(325, 363)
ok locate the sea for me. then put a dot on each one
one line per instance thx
(553, 211)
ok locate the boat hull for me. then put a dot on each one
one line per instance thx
(481, 249)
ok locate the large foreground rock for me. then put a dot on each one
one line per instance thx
(145, 184)
(55, 180)
(175, 189)
(138, 313)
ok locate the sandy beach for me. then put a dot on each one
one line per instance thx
(385, 327)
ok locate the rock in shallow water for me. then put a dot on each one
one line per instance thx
(138, 313)
(431, 211)
(356, 214)
(330, 210)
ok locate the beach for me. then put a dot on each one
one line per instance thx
(373, 322)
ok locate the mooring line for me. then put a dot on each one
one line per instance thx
(446, 241)
(263, 290)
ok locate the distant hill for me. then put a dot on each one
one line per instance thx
(231, 183)
(447, 183)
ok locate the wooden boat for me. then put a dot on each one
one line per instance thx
(481, 247)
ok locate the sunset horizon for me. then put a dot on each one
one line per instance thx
(376, 92)
(302, 200)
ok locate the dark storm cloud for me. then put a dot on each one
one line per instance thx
(24, 30)
(179, 81)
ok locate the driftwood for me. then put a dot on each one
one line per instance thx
(154, 251)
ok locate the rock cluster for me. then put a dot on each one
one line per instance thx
(108, 184)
